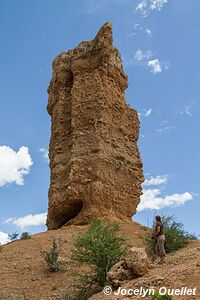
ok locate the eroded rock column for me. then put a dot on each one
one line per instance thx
(96, 168)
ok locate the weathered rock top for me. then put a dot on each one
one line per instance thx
(88, 56)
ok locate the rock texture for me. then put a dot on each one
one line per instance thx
(118, 273)
(135, 264)
(137, 261)
(96, 168)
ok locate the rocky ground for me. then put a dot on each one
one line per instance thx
(182, 269)
(23, 273)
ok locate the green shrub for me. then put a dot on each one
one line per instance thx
(100, 248)
(175, 236)
(25, 236)
(13, 236)
(1, 247)
(51, 257)
(157, 296)
(150, 244)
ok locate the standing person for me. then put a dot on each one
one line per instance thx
(160, 240)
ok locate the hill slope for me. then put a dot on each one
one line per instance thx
(182, 269)
(23, 272)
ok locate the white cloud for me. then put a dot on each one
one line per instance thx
(28, 220)
(165, 65)
(164, 122)
(14, 165)
(165, 129)
(143, 58)
(142, 55)
(148, 31)
(186, 111)
(142, 7)
(130, 34)
(138, 55)
(160, 179)
(148, 112)
(137, 25)
(155, 66)
(138, 29)
(4, 238)
(157, 4)
(145, 112)
(151, 199)
(45, 153)
(145, 6)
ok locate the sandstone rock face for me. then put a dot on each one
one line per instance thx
(96, 169)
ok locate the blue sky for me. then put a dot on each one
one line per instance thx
(160, 46)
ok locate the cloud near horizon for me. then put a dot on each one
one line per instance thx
(28, 220)
(14, 165)
(152, 197)
(4, 238)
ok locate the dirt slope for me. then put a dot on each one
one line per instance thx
(182, 269)
(23, 272)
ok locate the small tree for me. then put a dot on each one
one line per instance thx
(100, 248)
(13, 236)
(25, 236)
(52, 257)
